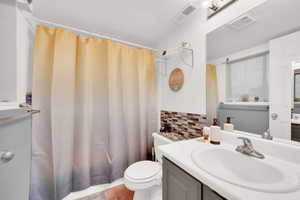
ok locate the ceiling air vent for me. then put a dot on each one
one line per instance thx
(242, 22)
(186, 11)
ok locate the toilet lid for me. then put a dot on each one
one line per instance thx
(143, 170)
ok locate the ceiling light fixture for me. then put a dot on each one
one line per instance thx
(212, 4)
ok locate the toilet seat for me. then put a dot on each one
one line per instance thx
(143, 175)
(143, 170)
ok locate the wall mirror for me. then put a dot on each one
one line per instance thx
(176, 80)
(252, 61)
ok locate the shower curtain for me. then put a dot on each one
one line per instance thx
(98, 110)
(212, 99)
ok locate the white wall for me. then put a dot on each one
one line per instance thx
(25, 46)
(16, 38)
(8, 70)
(191, 98)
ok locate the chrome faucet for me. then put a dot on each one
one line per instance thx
(247, 149)
(267, 135)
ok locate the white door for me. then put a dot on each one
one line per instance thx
(283, 51)
(280, 107)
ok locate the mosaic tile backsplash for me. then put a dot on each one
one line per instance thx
(184, 125)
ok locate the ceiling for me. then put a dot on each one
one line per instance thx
(274, 18)
(139, 21)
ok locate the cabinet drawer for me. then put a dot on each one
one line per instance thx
(209, 194)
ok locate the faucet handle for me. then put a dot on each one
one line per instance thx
(247, 141)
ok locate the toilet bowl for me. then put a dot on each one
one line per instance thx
(144, 177)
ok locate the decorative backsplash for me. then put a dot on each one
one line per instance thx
(186, 125)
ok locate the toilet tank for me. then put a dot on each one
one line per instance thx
(159, 140)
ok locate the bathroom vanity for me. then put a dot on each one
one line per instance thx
(179, 185)
(197, 170)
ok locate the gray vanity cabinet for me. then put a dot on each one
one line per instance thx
(209, 194)
(179, 185)
(296, 132)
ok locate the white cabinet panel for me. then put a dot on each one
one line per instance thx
(15, 175)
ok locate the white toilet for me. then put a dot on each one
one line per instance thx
(144, 177)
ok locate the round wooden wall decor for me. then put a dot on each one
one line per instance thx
(176, 80)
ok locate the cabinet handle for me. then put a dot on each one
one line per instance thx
(6, 156)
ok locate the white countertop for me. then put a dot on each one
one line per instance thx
(295, 121)
(180, 154)
(5, 108)
(295, 118)
(8, 106)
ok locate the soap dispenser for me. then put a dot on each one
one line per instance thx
(228, 126)
(215, 133)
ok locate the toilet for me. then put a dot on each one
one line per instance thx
(145, 177)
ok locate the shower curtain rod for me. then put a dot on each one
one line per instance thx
(228, 61)
(44, 22)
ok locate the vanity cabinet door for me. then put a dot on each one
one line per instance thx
(178, 185)
(209, 194)
(296, 132)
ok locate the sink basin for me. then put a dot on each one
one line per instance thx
(267, 175)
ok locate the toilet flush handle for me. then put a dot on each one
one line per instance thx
(274, 116)
(6, 156)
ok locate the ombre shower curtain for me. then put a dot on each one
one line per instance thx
(98, 110)
(212, 98)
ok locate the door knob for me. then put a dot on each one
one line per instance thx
(274, 116)
(6, 156)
